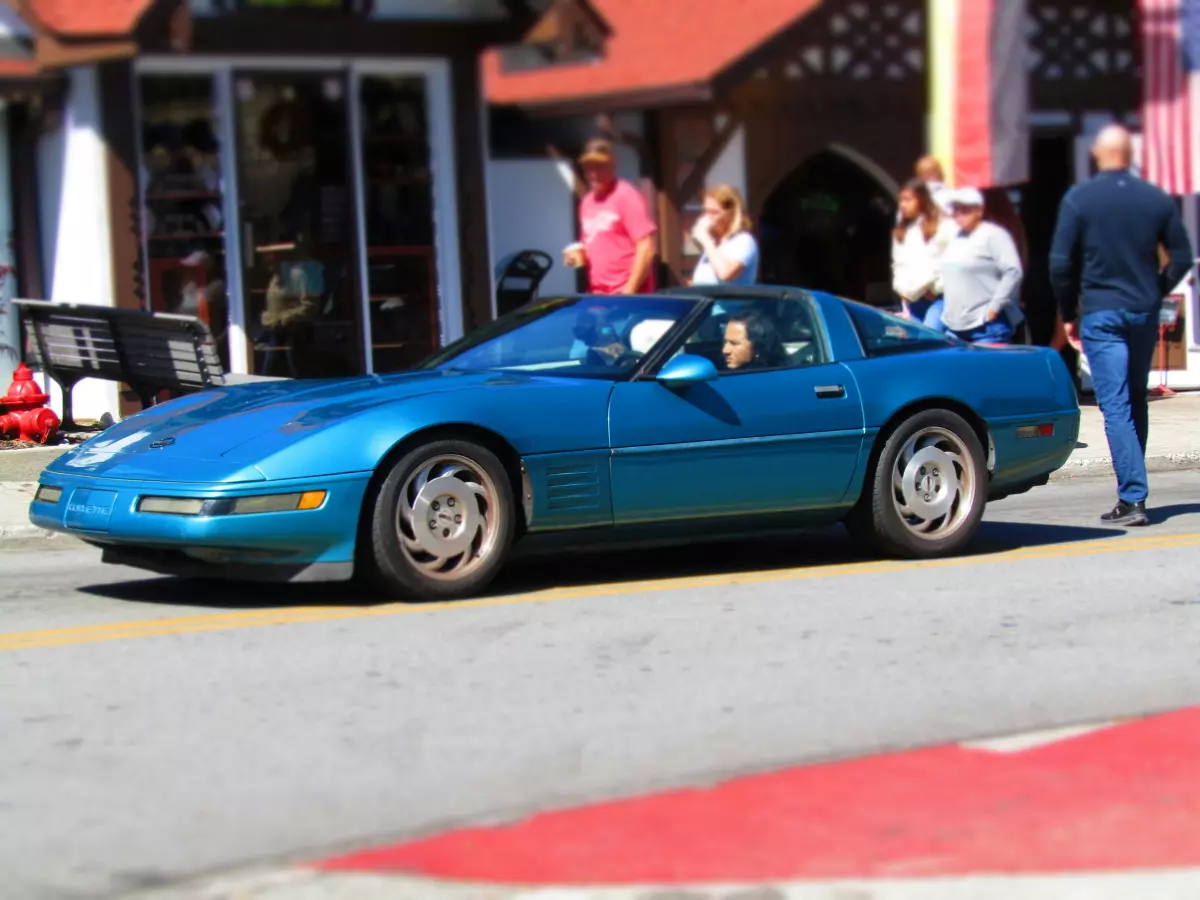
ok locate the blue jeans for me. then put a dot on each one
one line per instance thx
(928, 312)
(1119, 347)
(997, 331)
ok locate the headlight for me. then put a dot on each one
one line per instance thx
(277, 503)
(171, 506)
(267, 503)
(47, 494)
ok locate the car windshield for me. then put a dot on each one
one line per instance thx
(584, 337)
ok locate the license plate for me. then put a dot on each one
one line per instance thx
(89, 510)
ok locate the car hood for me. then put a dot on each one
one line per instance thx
(200, 428)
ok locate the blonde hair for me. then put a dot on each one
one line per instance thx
(730, 198)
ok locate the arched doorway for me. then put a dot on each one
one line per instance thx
(827, 226)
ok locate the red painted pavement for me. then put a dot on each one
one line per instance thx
(1125, 797)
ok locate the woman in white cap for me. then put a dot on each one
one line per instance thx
(981, 275)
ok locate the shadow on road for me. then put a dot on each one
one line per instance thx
(1160, 514)
(810, 549)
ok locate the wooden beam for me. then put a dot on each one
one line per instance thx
(475, 266)
(27, 229)
(683, 192)
(52, 53)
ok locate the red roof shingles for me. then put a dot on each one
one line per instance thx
(79, 18)
(655, 45)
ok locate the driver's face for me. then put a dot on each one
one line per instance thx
(738, 350)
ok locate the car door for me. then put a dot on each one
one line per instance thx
(754, 440)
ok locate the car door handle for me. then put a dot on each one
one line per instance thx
(829, 391)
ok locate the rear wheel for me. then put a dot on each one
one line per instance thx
(442, 521)
(927, 493)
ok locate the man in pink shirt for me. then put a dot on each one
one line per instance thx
(616, 228)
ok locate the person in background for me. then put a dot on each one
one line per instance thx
(723, 233)
(617, 231)
(1109, 231)
(929, 170)
(981, 274)
(918, 242)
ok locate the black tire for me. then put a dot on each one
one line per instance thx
(396, 552)
(877, 520)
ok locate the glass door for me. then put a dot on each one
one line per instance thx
(302, 300)
(183, 199)
(402, 277)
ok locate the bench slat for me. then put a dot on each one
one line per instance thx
(160, 351)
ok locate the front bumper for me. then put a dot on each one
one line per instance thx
(105, 512)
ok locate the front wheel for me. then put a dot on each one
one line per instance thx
(442, 521)
(927, 493)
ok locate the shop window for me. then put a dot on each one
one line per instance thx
(182, 190)
(299, 256)
(398, 195)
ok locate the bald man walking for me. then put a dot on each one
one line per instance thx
(1105, 250)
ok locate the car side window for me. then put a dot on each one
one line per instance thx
(883, 334)
(740, 336)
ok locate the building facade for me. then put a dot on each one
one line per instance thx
(308, 176)
(817, 111)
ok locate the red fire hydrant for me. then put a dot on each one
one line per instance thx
(25, 416)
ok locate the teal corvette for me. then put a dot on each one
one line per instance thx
(577, 421)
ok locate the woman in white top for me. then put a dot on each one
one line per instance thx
(723, 233)
(918, 243)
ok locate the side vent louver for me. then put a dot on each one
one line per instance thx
(572, 487)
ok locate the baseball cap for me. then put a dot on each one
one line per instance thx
(597, 150)
(967, 196)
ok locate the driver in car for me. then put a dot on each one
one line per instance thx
(751, 342)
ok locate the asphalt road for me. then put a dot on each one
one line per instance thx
(153, 730)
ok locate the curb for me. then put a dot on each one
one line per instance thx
(29, 536)
(308, 884)
(26, 464)
(1102, 466)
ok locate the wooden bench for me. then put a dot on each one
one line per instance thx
(150, 352)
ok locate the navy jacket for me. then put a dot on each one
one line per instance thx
(1106, 246)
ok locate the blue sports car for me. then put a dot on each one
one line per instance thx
(579, 420)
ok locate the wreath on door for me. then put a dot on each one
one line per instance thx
(285, 129)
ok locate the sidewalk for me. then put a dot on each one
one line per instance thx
(1174, 444)
(1174, 438)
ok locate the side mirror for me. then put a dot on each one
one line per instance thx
(687, 369)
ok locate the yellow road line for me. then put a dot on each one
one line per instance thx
(112, 631)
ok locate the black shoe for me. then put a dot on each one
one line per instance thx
(1126, 514)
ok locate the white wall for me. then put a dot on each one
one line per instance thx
(76, 236)
(531, 207)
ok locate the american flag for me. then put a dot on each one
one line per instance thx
(1170, 35)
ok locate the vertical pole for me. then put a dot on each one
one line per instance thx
(10, 332)
(231, 212)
